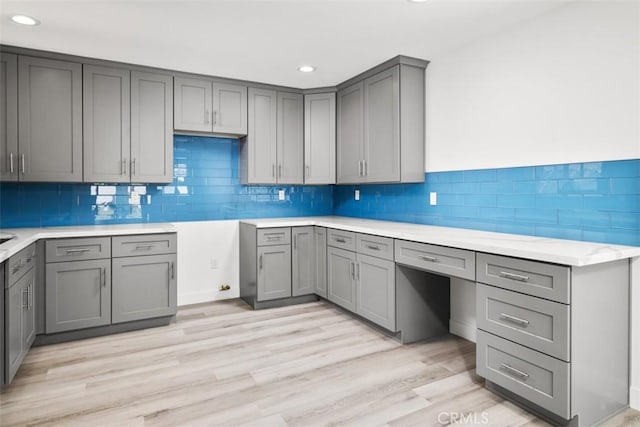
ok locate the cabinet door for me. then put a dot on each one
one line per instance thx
(8, 117)
(290, 150)
(192, 105)
(78, 295)
(143, 287)
(382, 127)
(303, 261)
(16, 303)
(274, 272)
(29, 313)
(106, 111)
(376, 290)
(151, 127)
(350, 134)
(49, 120)
(320, 138)
(321, 261)
(229, 109)
(341, 266)
(260, 146)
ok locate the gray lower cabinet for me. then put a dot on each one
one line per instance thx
(321, 261)
(143, 287)
(20, 317)
(49, 120)
(376, 290)
(106, 111)
(341, 279)
(274, 272)
(303, 261)
(2, 333)
(8, 117)
(78, 295)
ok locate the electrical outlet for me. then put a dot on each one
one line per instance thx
(134, 198)
(280, 194)
(357, 195)
(214, 264)
(433, 198)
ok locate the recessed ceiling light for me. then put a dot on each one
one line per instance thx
(307, 69)
(417, 1)
(25, 20)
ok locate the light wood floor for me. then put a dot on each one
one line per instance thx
(223, 364)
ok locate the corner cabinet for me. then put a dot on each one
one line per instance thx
(381, 129)
(49, 120)
(272, 152)
(209, 106)
(320, 138)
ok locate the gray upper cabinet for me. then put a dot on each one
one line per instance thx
(381, 127)
(8, 117)
(274, 272)
(151, 127)
(321, 261)
(320, 138)
(350, 134)
(192, 105)
(229, 109)
(272, 153)
(209, 106)
(49, 120)
(258, 153)
(341, 279)
(303, 261)
(290, 138)
(107, 135)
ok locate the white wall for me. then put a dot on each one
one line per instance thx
(198, 244)
(561, 88)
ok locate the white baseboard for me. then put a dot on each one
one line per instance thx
(463, 330)
(634, 397)
(200, 297)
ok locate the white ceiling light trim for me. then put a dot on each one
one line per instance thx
(25, 20)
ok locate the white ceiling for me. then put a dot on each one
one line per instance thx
(262, 40)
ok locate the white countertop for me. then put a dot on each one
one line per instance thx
(26, 236)
(565, 252)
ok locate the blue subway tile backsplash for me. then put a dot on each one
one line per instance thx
(595, 201)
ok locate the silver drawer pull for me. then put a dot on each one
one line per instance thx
(16, 269)
(429, 258)
(373, 247)
(340, 240)
(140, 247)
(75, 251)
(278, 237)
(514, 319)
(514, 276)
(514, 371)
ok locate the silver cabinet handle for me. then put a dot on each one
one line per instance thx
(206, 116)
(75, 251)
(273, 170)
(514, 276)
(133, 166)
(30, 295)
(124, 166)
(429, 258)
(173, 271)
(279, 171)
(10, 162)
(215, 117)
(16, 269)
(514, 319)
(352, 270)
(22, 161)
(103, 277)
(360, 168)
(365, 168)
(514, 371)
(141, 247)
(25, 294)
(340, 240)
(307, 167)
(358, 271)
(373, 247)
(295, 241)
(260, 262)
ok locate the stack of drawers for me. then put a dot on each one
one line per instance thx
(523, 343)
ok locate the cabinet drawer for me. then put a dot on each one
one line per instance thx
(534, 322)
(539, 279)
(380, 247)
(341, 239)
(532, 375)
(439, 259)
(144, 244)
(61, 250)
(20, 263)
(274, 236)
